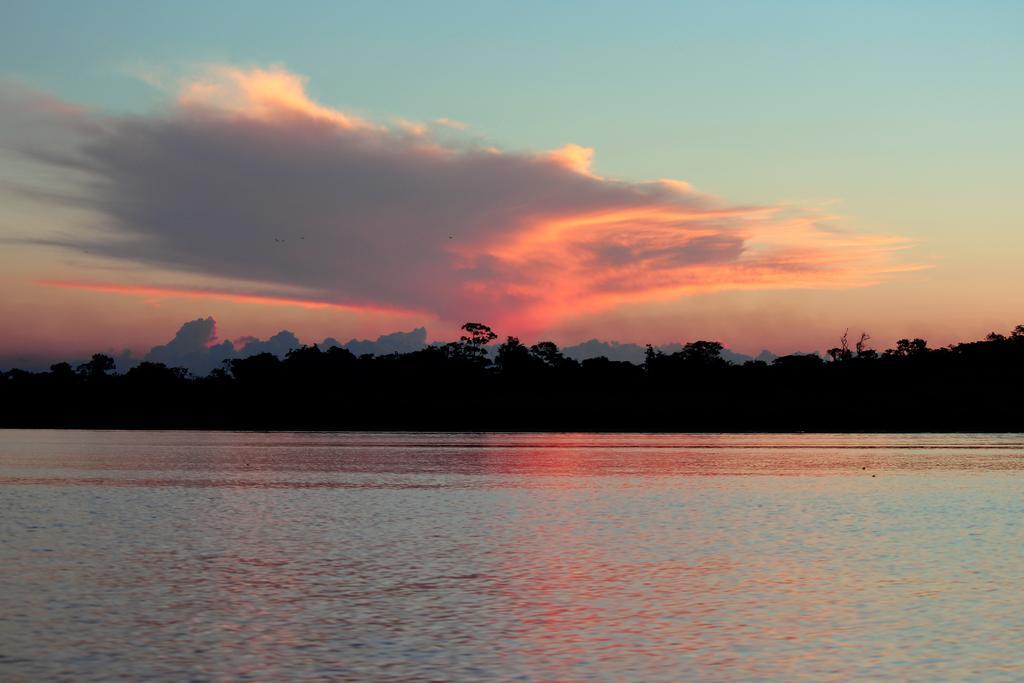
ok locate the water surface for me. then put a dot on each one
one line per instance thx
(393, 557)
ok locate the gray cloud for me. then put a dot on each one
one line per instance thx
(245, 178)
(351, 216)
(196, 346)
(395, 342)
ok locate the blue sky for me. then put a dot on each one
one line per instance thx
(760, 101)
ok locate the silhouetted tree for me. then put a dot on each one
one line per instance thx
(548, 353)
(477, 334)
(798, 361)
(652, 356)
(155, 373)
(472, 345)
(512, 356)
(908, 348)
(863, 352)
(262, 368)
(62, 371)
(842, 352)
(971, 385)
(704, 353)
(99, 366)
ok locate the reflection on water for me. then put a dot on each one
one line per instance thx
(213, 556)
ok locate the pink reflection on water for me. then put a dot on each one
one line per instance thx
(544, 557)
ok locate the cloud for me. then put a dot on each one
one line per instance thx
(395, 342)
(196, 346)
(241, 296)
(595, 348)
(278, 344)
(574, 157)
(244, 178)
(450, 123)
(635, 353)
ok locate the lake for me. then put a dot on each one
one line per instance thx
(535, 557)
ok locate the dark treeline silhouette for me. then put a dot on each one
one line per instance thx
(973, 386)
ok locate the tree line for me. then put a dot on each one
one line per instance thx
(471, 384)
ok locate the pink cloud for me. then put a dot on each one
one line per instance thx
(245, 177)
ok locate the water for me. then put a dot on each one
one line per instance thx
(394, 557)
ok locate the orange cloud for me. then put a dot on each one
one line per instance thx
(583, 264)
(450, 123)
(158, 292)
(248, 179)
(258, 93)
(573, 157)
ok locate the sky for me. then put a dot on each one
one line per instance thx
(764, 174)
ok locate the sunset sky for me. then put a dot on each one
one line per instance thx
(767, 174)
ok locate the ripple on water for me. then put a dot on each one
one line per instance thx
(526, 556)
